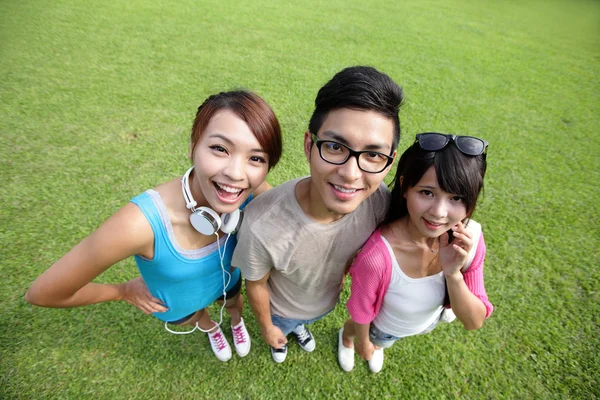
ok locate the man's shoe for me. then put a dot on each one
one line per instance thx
(241, 339)
(376, 361)
(345, 354)
(219, 345)
(305, 338)
(279, 354)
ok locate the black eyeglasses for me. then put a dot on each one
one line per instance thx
(336, 153)
(469, 145)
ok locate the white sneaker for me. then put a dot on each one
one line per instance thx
(241, 339)
(447, 315)
(345, 354)
(219, 345)
(376, 361)
(279, 354)
(305, 338)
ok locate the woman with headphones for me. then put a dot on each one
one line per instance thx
(180, 232)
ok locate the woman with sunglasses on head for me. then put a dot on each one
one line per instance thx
(426, 257)
(179, 232)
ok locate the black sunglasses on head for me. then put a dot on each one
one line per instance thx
(469, 145)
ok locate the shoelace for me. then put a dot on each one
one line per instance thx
(219, 340)
(238, 335)
(282, 349)
(304, 336)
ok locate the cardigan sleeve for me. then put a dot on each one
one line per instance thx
(370, 274)
(474, 277)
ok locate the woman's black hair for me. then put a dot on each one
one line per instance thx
(456, 173)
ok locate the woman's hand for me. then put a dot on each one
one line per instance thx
(138, 295)
(454, 255)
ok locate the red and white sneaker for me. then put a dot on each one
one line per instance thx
(219, 345)
(241, 339)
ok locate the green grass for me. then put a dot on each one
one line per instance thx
(97, 99)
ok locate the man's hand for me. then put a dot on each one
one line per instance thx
(273, 336)
(138, 295)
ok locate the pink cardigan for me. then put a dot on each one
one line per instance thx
(372, 270)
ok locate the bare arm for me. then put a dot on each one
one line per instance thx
(364, 347)
(259, 299)
(467, 307)
(68, 283)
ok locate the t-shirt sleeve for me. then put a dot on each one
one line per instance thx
(367, 277)
(250, 256)
(474, 277)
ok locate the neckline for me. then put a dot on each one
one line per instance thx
(305, 218)
(166, 221)
(399, 269)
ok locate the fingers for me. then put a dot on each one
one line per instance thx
(138, 295)
(158, 305)
(277, 342)
(150, 307)
(275, 337)
(459, 230)
(462, 241)
(273, 343)
(463, 238)
(148, 304)
(144, 308)
(460, 250)
(282, 339)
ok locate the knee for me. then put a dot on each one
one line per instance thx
(236, 301)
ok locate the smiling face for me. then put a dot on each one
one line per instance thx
(336, 190)
(431, 210)
(229, 163)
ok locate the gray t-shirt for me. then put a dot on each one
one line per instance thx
(306, 259)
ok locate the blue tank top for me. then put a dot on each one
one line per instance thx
(185, 280)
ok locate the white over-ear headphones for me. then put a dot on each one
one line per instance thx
(206, 220)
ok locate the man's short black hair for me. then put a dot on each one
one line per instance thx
(359, 88)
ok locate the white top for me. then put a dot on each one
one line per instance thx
(410, 305)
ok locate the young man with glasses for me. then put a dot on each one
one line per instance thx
(297, 238)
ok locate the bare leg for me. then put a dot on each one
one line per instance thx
(348, 334)
(234, 307)
(203, 319)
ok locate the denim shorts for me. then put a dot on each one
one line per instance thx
(287, 325)
(385, 340)
(381, 339)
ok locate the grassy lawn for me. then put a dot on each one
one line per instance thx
(97, 99)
